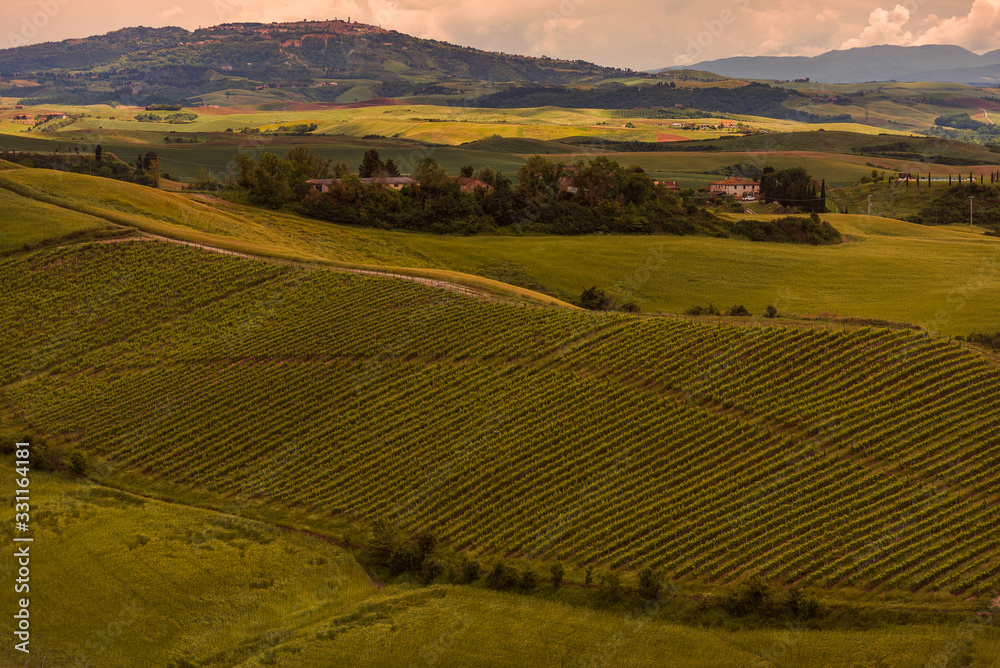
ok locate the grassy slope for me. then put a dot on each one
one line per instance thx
(890, 270)
(118, 133)
(27, 222)
(119, 580)
(237, 228)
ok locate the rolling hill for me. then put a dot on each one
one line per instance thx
(311, 61)
(858, 463)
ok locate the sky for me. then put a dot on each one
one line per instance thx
(639, 34)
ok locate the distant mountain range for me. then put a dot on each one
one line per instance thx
(933, 62)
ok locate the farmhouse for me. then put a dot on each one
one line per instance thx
(735, 186)
(669, 185)
(469, 184)
(394, 182)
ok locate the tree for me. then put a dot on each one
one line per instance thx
(556, 572)
(371, 165)
(529, 580)
(472, 570)
(304, 165)
(77, 462)
(595, 300)
(98, 153)
(390, 168)
(467, 171)
(503, 576)
(770, 312)
(650, 584)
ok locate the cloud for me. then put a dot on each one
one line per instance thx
(884, 27)
(976, 31)
(168, 14)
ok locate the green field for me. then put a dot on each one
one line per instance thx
(941, 279)
(99, 375)
(938, 278)
(120, 580)
(857, 463)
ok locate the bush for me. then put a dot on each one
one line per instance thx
(556, 572)
(404, 559)
(800, 605)
(502, 577)
(472, 570)
(650, 584)
(751, 597)
(426, 541)
(697, 309)
(739, 310)
(77, 462)
(588, 576)
(529, 580)
(431, 569)
(770, 312)
(595, 300)
(382, 543)
(610, 590)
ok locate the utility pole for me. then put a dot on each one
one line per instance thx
(970, 210)
(869, 205)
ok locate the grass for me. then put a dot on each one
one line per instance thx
(119, 580)
(890, 270)
(232, 227)
(27, 222)
(118, 132)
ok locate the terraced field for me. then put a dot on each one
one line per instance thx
(842, 459)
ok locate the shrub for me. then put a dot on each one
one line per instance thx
(800, 605)
(426, 541)
(503, 576)
(77, 462)
(404, 559)
(472, 570)
(609, 590)
(753, 596)
(382, 543)
(529, 580)
(770, 312)
(588, 576)
(650, 584)
(557, 572)
(431, 569)
(697, 309)
(739, 310)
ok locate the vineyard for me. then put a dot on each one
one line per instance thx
(866, 458)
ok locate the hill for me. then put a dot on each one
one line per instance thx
(932, 62)
(325, 61)
(668, 423)
(119, 569)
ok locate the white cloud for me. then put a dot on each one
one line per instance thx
(884, 27)
(168, 14)
(975, 31)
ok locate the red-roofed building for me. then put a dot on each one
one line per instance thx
(735, 186)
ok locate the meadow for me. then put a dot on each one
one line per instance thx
(121, 580)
